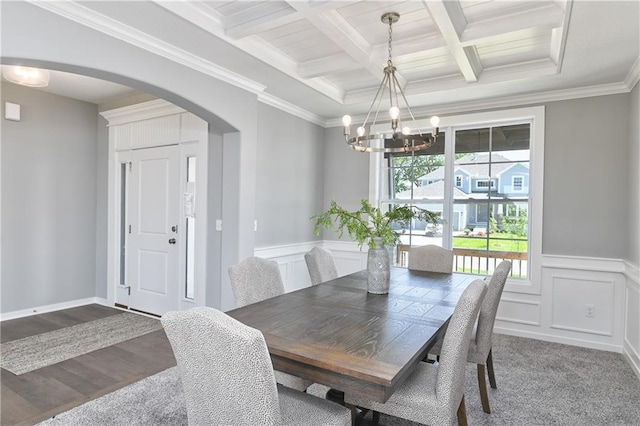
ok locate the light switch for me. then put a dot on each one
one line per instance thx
(12, 111)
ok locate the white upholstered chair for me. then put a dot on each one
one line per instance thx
(434, 393)
(482, 337)
(431, 258)
(254, 280)
(228, 378)
(321, 265)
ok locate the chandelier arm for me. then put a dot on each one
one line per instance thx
(407, 104)
(385, 81)
(382, 83)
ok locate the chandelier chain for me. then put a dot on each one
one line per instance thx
(389, 61)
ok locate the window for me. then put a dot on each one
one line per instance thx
(490, 217)
(190, 225)
(517, 183)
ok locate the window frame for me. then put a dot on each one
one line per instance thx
(448, 125)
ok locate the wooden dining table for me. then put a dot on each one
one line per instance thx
(337, 334)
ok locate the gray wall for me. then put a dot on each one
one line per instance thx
(633, 230)
(289, 177)
(49, 162)
(346, 172)
(585, 172)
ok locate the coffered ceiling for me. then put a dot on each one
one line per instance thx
(326, 57)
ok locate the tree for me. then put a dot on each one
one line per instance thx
(405, 175)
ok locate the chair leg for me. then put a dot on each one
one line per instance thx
(462, 413)
(376, 417)
(482, 384)
(492, 377)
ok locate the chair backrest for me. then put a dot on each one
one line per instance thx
(225, 369)
(489, 308)
(453, 356)
(431, 258)
(321, 265)
(254, 280)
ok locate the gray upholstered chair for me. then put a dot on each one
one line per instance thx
(431, 258)
(434, 393)
(228, 378)
(321, 265)
(482, 337)
(254, 280)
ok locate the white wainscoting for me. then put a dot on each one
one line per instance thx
(557, 314)
(631, 344)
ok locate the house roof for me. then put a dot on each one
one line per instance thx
(434, 191)
(476, 166)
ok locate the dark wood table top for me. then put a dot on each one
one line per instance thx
(341, 336)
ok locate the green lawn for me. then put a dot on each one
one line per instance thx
(497, 242)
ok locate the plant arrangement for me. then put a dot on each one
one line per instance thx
(370, 224)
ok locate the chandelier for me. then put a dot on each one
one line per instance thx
(398, 138)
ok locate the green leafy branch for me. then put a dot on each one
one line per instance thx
(370, 223)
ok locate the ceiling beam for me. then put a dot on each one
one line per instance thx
(449, 18)
(546, 16)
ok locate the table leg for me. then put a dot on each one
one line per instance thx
(335, 396)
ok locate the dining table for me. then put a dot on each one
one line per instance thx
(339, 335)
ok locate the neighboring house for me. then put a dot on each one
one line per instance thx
(477, 180)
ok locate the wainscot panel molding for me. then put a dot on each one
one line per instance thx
(582, 302)
(631, 344)
(293, 267)
(51, 308)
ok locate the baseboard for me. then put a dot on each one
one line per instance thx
(50, 308)
(558, 339)
(633, 359)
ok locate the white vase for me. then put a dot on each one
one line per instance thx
(378, 269)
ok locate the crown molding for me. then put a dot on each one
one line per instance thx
(99, 22)
(292, 109)
(510, 101)
(144, 111)
(633, 76)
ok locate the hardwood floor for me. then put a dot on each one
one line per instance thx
(35, 396)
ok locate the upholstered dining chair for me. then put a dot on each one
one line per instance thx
(228, 378)
(321, 265)
(253, 280)
(482, 337)
(431, 258)
(434, 393)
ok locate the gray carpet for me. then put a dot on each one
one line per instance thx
(539, 383)
(28, 354)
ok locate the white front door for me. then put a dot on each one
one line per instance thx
(152, 246)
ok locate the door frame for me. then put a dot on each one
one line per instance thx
(146, 125)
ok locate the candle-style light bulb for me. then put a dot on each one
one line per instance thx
(394, 112)
(435, 121)
(360, 131)
(406, 131)
(346, 120)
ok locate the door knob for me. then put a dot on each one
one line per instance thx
(172, 240)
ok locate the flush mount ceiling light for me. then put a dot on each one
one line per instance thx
(26, 76)
(398, 138)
